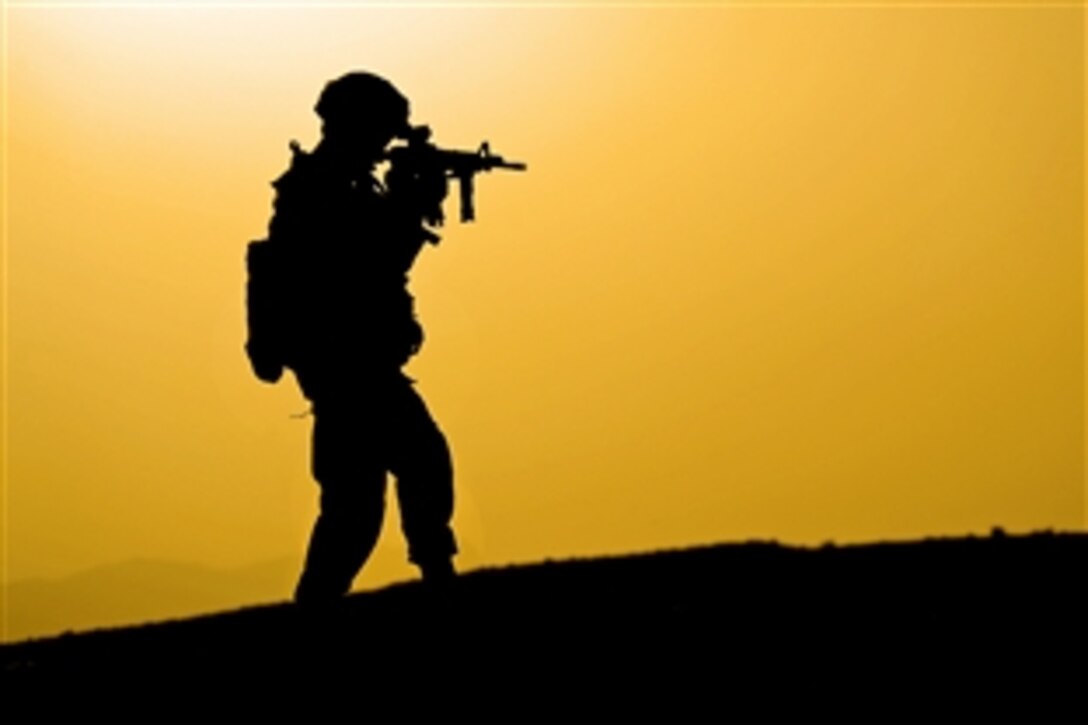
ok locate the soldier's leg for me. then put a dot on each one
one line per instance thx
(352, 484)
(423, 467)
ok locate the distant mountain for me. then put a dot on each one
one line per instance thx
(139, 591)
(910, 616)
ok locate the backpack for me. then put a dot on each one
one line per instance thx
(265, 310)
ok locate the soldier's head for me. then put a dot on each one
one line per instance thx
(362, 113)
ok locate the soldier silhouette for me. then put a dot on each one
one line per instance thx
(328, 299)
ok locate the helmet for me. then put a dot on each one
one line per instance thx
(361, 97)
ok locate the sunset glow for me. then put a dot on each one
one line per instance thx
(796, 273)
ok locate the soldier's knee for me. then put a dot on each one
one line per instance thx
(348, 501)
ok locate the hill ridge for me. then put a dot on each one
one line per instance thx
(970, 598)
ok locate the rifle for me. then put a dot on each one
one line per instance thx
(420, 157)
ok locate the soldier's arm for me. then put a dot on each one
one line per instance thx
(414, 206)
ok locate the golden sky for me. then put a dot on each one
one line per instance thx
(804, 273)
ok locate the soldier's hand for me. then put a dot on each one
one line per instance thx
(419, 188)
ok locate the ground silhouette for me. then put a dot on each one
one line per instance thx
(908, 616)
